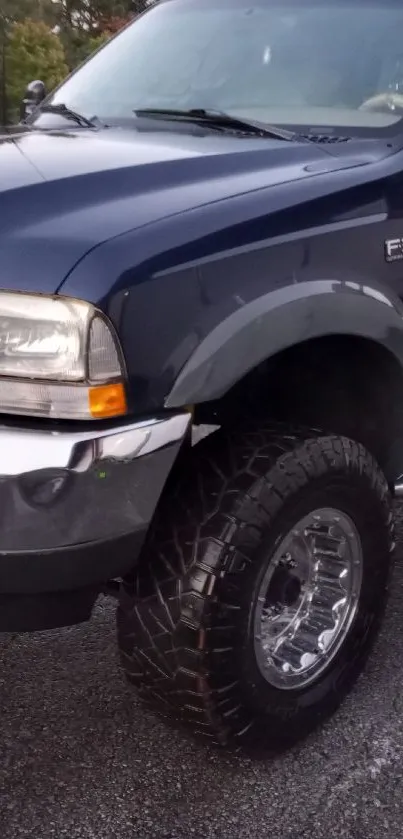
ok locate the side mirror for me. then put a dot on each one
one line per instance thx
(35, 94)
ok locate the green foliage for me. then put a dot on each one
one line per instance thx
(93, 15)
(96, 42)
(33, 51)
(20, 10)
(80, 45)
(44, 39)
(85, 24)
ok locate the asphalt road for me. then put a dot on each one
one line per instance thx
(80, 759)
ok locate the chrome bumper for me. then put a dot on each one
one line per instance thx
(64, 492)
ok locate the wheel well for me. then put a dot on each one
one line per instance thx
(344, 384)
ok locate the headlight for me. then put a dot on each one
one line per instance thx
(58, 358)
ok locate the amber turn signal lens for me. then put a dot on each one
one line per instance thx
(107, 401)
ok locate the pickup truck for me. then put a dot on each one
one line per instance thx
(201, 354)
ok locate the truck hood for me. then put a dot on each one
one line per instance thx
(64, 193)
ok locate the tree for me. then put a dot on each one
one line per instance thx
(14, 11)
(81, 46)
(11, 12)
(84, 24)
(90, 15)
(74, 29)
(32, 51)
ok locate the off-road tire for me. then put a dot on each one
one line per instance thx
(185, 625)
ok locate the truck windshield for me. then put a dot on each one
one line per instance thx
(330, 66)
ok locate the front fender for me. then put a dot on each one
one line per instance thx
(283, 318)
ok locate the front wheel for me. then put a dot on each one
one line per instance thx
(262, 585)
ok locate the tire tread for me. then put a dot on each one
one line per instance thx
(204, 535)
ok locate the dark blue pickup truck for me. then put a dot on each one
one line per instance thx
(201, 353)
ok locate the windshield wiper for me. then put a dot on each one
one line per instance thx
(220, 119)
(68, 113)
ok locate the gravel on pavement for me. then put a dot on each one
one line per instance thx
(80, 759)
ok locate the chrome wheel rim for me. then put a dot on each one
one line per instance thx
(308, 599)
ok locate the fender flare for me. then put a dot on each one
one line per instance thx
(279, 320)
